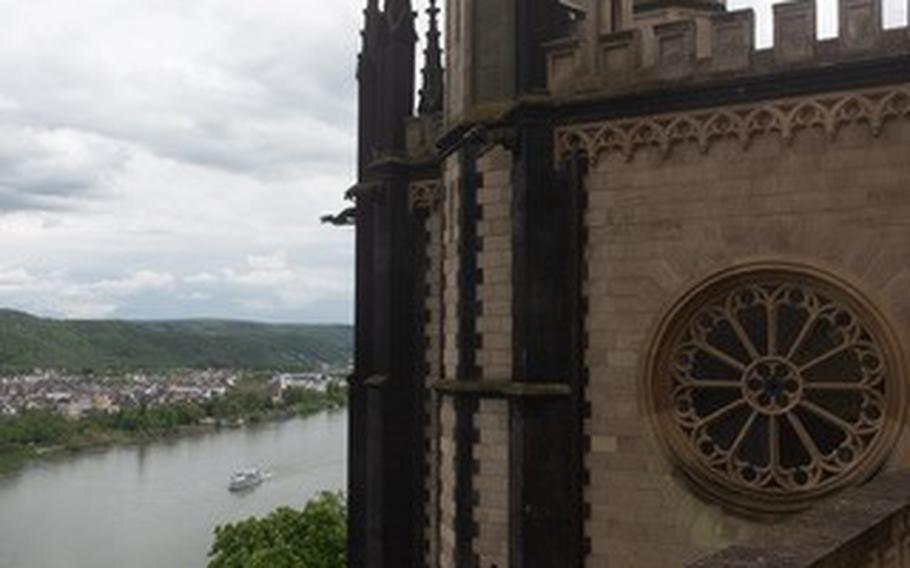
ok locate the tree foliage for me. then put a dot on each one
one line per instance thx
(34, 431)
(312, 538)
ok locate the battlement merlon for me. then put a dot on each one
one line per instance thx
(695, 44)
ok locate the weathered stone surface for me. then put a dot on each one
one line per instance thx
(863, 527)
(675, 49)
(690, 158)
(659, 222)
(619, 56)
(794, 31)
(860, 23)
(733, 40)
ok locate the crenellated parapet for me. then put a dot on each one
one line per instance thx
(708, 47)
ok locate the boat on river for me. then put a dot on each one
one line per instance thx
(245, 479)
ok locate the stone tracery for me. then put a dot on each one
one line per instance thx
(776, 387)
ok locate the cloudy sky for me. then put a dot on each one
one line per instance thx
(170, 158)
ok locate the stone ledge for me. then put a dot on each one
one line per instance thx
(844, 531)
(376, 381)
(502, 389)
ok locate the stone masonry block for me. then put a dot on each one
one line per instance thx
(860, 23)
(733, 40)
(794, 31)
(562, 66)
(675, 49)
(619, 56)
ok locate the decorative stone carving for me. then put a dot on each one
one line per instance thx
(783, 117)
(421, 134)
(775, 386)
(425, 194)
(794, 31)
(733, 40)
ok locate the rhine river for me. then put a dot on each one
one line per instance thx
(156, 506)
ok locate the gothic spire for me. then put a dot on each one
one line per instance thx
(399, 13)
(431, 93)
(371, 19)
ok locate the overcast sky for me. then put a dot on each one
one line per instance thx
(171, 158)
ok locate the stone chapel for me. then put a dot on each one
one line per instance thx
(630, 291)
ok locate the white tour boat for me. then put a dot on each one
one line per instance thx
(246, 479)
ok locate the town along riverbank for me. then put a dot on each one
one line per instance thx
(36, 434)
(154, 505)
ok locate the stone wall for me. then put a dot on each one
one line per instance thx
(494, 328)
(671, 205)
(495, 261)
(670, 46)
(449, 341)
(447, 465)
(433, 333)
(867, 527)
(490, 421)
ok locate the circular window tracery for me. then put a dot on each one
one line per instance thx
(773, 387)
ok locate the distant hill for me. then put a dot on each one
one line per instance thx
(28, 342)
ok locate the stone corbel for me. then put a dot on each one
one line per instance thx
(424, 195)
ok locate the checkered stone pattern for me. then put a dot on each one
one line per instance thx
(494, 327)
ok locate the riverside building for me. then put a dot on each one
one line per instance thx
(630, 291)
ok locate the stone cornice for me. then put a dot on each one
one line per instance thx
(784, 117)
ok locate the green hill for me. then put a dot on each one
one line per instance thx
(28, 342)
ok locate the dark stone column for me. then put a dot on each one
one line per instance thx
(383, 477)
(466, 408)
(396, 469)
(545, 454)
(385, 471)
(357, 396)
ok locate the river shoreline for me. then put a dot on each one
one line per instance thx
(157, 504)
(14, 461)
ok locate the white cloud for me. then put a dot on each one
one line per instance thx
(201, 278)
(136, 283)
(51, 294)
(43, 168)
(264, 271)
(290, 286)
(165, 158)
(150, 148)
(15, 278)
(268, 286)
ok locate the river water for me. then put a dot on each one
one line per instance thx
(156, 506)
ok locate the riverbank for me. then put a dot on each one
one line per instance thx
(41, 434)
(156, 504)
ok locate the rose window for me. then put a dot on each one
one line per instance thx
(773, 388)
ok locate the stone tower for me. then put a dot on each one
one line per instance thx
(630, 291)
(383, 453)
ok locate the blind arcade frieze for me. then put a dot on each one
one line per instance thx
(785, 117)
